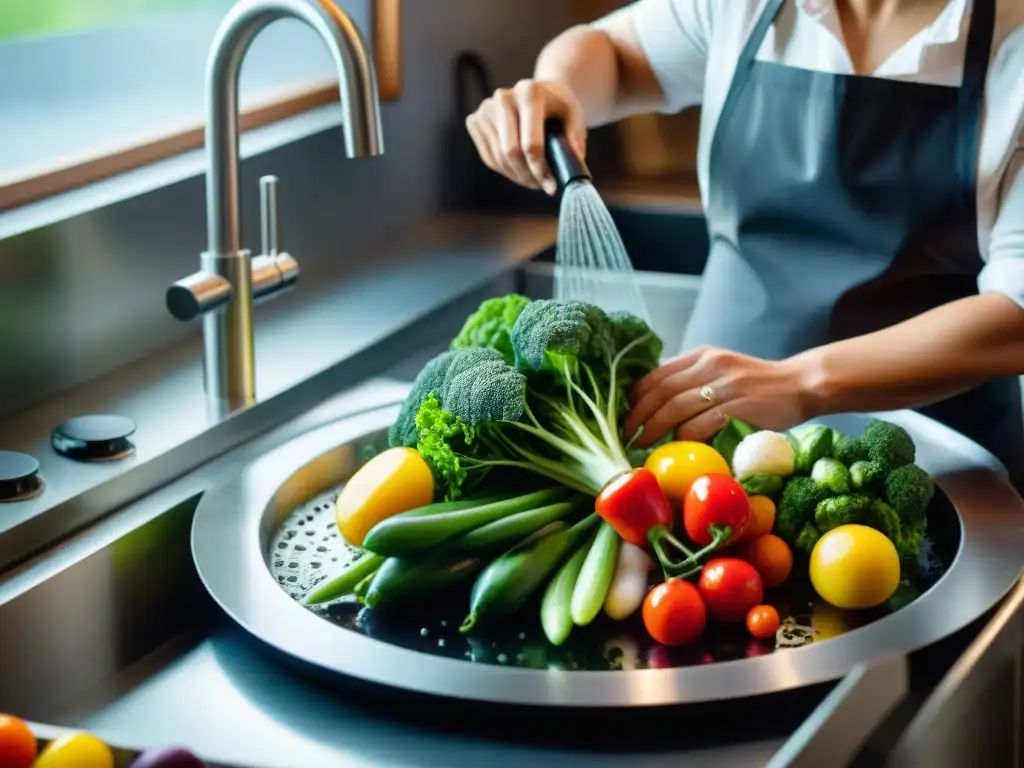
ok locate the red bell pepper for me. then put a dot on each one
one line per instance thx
(635, 506)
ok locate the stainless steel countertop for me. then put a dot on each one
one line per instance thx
(303, 356)
(228, 703)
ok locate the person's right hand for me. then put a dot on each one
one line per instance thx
(508, 130)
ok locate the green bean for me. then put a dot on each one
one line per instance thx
(345, 583)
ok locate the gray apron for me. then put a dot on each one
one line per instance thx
(839, 205)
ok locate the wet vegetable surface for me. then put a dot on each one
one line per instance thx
(306, 550)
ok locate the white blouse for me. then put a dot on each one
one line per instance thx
(693, 46)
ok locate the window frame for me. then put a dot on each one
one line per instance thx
(67, 174)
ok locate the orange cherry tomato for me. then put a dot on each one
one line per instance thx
(762, 518)
(770, 556)
(763, 622)
(18, 747)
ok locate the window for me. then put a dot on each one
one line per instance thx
(89, 88)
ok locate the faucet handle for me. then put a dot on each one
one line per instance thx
(268, 215)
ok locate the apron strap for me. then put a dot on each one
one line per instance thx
(757, 35)
(972, 92)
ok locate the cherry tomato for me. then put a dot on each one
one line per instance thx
(770, 556)
(730, 588)
(79, 750)
(762, 518)
(17, 743)
(715, 503)
(763, 622)
(678, 464)
(674, 613)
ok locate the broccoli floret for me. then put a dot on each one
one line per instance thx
(480, 386)
(762, 485)
(909, 490)
(867, 475)
(841, 510)
(831, 475)
(800, 497)
(888, 444)
(491, 325)
(429, 381)
(551, 335)
(644, 354)
(906, 537)
(810, 443)
(848, 450)
(730, 436)
(807, 538)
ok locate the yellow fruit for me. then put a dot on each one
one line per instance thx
(855, 567)
(678, 464)
(390, 483)
(79, 750)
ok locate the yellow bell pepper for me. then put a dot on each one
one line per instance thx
(390, 483)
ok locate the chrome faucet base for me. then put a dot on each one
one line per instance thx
(230, 281)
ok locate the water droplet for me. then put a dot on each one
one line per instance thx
(309, 518)
(300, 521)
(278, 563)
(310, 532)
(316, 509)
(292, 579)
(334, 559)
(332, 525)
(444, 622)
(424, 632)
(314, 564)
(321, 548)
(293, 564)
(282, 545)
(522, 635)
(502, 658)
(291, 534)
(299, 548)
(440, 643)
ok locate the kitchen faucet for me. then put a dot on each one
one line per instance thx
(228, 281)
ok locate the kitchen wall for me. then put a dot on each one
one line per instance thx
(85, 296)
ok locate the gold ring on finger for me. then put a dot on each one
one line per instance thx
(707, 394)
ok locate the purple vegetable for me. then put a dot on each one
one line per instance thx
(168, 757)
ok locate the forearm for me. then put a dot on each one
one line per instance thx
(923, 360)
(604, 68)
(584, 59)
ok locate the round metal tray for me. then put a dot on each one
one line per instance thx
(235, 526)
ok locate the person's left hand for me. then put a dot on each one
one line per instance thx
(697, 392)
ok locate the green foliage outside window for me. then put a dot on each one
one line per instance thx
(21, 18)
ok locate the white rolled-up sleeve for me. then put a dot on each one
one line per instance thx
(1004, 268)
(674, 36)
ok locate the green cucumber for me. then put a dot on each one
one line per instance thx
(345, 583)
(555, 610)
(405, 534)
(512, 529)
(595, 577)
(507, 583)
(401, 579)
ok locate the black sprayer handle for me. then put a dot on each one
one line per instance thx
(563, 162)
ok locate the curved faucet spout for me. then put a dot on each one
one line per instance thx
(357, 84)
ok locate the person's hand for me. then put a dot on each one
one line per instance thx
(508, 130)
(696, 393)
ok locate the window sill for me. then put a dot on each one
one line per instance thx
(148, 176)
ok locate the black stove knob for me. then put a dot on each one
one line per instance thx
(19, 477)
(98, 437)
